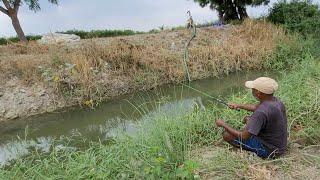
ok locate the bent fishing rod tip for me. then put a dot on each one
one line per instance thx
(207, 95)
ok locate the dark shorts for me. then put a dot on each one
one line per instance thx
(253, 144)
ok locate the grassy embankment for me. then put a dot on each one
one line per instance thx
(190, 146)
(168, 147)
(97, 69)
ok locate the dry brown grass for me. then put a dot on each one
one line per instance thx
(244, 47)
(218, 163)
(21, 49)
(140, 61)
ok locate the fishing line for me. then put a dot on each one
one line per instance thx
(208, 95)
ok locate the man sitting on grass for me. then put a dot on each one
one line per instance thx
(265, 132)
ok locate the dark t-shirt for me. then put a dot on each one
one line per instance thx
(269, 124)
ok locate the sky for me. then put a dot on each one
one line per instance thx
(139, 15)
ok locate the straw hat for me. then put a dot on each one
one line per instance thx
(265, 85)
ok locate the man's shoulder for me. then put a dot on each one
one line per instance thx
(263, 107)
(271, 107)
(267, 104)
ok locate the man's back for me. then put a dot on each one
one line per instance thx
(269, 123)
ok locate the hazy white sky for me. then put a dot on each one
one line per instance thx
(138, 15)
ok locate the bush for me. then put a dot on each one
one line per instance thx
(297, 16)
(3, 41)
(13, 39)
(33, 37)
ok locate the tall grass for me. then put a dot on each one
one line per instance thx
(163, 145)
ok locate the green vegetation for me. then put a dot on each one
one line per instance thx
(300, 17)
(297, 16)
(4, 41)
(101, 33)
(163, 147)
(177, 148)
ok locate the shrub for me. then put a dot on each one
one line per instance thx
(297, 16)
(3, 41)
(33, 37)
(13, 39)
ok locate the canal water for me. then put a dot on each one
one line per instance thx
(118, 115)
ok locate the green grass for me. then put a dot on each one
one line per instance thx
(162, 146)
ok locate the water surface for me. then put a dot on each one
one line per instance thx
(114, 116)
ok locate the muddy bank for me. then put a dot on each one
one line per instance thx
(18, 100)
(41, 78)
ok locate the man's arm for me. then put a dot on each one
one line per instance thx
(244, 134)
(248, 107)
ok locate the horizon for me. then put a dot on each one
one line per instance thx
(143, 15)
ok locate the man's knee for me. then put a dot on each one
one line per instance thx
(227, 136)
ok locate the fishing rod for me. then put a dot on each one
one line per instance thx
(208, 95)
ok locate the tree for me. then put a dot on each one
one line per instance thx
(11, 8)
(231, 9)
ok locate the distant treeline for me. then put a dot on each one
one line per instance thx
(101, 33)
(81, 33)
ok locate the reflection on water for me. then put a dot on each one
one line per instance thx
(112, 117)
(110, 129)
(18, 148)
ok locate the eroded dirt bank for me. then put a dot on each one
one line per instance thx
(40, 78)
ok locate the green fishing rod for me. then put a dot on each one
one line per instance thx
(208, 95)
